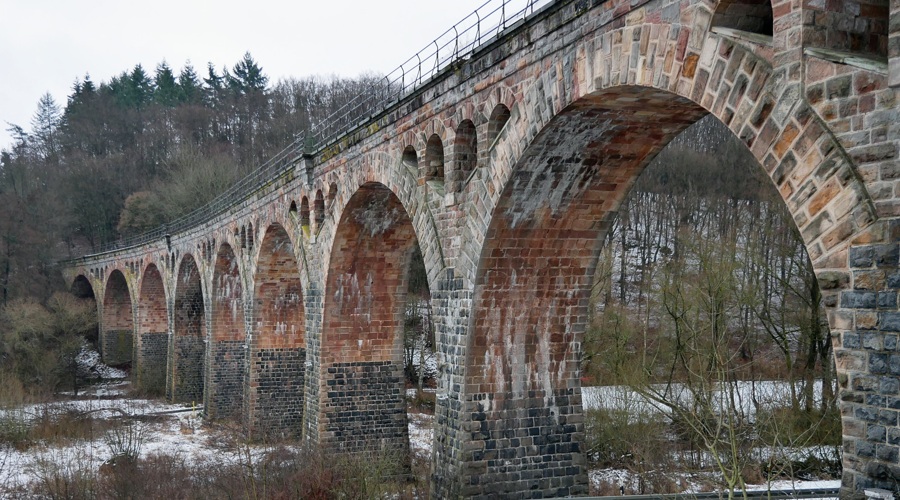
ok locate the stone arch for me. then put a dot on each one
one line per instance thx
(276, 395)
(117, 323)
(332, 195)
(433, 163)
(152, 332)
(380, 168)
(753, 16)
(410, 159)
(304, 220)
(186, 350)
(594, 142)
(227, 337)
(319, 209)
(83, 289)
(361, 374)
(465, 155)
(495, 123)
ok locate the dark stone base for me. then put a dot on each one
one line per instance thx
(226, 379)
(364, 408)
(188, 384)
(151, 362)
(526, 448)
(116, 347)
(278, 390)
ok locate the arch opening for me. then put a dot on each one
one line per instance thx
(361, 372)
(225, 376)
(499, 116)
(434, 162)
(278, 346)
(117, 333)
(749, 16)
(465, 153)
(304, 215)
(319, 208)
(83, 290)
(187, 349)
(410, 159)
(536, 268)
(153, 333)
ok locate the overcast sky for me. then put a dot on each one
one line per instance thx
(45, 45)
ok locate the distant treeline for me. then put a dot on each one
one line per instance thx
(125, 155)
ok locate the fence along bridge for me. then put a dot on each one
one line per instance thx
(504, 152)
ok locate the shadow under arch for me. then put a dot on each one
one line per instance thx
(184, 379)
(117, 323)
(152, 333)
(362, 404)
(82, 289)
(277, 364)
(224, 379)
(534, 275)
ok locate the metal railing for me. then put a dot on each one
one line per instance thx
(458, 43)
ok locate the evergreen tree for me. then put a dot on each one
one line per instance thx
(190, 88)
(247, 77)
(167, 91)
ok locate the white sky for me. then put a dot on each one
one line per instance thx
(45, 45)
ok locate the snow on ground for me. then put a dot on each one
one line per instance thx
(769, 394)
(177, 429)
(629, 482)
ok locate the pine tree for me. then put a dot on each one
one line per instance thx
(248, 77)
(44, 126)
(190, 89)
(167, 91)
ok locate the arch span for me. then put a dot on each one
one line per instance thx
(184, 381)
(117, 324)
(276, 389)
(152, 332)
(226, 353)
(362, 404)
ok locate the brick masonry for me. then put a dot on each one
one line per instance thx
(506, 171)
(187, 346)
(152, 361)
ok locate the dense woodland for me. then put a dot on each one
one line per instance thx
(123, 156)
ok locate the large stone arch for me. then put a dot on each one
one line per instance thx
(117, 322)
(277, 359)
(82, 288)
(388, 171)
(557, 176)
(362, 404)
(184, 379)
(152, 332)
(226, 353)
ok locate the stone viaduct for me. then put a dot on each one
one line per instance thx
(506, 168)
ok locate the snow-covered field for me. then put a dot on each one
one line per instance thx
(179, 430)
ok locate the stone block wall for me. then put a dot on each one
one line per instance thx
(151, 365)
(850, 25)
(116, 347)
(278, 388)
(365, 407)
(868, 355)
(226, 378)
(188, 373)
